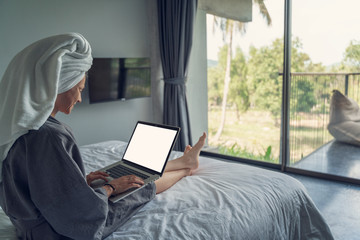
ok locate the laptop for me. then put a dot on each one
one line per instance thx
(145, 156)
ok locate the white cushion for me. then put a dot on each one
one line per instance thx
(344, 123)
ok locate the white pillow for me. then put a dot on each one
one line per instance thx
(344, 123)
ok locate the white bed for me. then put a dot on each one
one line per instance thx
(221, 200)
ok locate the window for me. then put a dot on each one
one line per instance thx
(328, 48)
(244, 94)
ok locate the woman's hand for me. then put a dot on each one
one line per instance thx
(126, 182)
(96, 175)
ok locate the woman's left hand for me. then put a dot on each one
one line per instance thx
(96, 175)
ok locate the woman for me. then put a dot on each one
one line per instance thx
(43, 187)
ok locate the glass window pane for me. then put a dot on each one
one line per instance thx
(244, 94)
(327, 47)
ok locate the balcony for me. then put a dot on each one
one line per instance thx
(311, 145)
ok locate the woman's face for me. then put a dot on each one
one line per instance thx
(66, 101)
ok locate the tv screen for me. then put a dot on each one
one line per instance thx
(112, 79)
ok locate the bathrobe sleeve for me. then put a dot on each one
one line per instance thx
(59, 190)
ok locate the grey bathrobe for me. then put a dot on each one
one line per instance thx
(45, 194)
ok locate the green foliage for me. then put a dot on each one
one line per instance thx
(215, 86)
(228, 25)
(305, 99)
(238, 151)
(265, 84)
(256, 81)
(216, 79)
(352, 56)
(238, 95)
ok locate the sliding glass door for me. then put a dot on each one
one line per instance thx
(324, 95)
(245, 62)
(312, 123)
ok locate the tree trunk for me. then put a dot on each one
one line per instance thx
(237, 113)
(227, 80)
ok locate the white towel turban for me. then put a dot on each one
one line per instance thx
(32, 81)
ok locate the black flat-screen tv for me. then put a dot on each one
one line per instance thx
(112, 79)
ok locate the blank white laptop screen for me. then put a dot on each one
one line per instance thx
(149, 146)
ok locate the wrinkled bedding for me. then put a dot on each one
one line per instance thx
(221, 200)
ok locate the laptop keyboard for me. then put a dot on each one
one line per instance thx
(120, 170)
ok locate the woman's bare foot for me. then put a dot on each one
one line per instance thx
(192, 155)
(187, 149)
(190, 159)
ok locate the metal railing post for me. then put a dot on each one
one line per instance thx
(346, 84)
(285, 153)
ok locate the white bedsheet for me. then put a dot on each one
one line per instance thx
(221, 200)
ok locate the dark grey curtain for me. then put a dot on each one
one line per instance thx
(176, 20)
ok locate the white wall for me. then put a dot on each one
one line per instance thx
(114, 28)
(197, 80)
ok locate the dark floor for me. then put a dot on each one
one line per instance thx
(339, 204)
(335, 158)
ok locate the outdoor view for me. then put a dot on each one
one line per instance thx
(245, 66)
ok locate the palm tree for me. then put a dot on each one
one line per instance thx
(228, 28)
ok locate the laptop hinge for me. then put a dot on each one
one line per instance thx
(134, 165)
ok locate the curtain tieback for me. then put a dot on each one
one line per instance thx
(176, 80)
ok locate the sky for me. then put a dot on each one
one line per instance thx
(325, 28)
